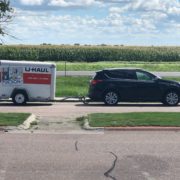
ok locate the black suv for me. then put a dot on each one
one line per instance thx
(132, 85)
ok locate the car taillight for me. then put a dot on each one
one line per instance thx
(94, 82)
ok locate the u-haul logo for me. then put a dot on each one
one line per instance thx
(36, 69)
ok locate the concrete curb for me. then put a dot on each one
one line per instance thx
(57, 99)
(27, 123)
(148, 128)
(86, 126)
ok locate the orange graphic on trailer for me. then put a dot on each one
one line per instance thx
(34, 78)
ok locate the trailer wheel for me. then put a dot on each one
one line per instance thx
(19, 98)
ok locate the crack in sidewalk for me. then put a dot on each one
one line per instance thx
(107, 173)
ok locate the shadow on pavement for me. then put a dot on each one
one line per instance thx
(125, 105)
(28, 104)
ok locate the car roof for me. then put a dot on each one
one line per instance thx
(109, 69)
(128, 68)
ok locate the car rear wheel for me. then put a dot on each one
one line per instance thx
(171, 98)
(111, 98)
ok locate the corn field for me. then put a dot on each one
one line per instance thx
(89, 53)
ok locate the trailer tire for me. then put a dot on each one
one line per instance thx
(19, 97)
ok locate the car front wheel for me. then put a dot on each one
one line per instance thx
(111, 98)
(171, 98)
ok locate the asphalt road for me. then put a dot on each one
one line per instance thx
(91, 73)
(113, 155)
(59, 150)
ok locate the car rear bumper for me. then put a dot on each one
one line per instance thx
(95, 95)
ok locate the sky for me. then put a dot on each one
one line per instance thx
(113, 22)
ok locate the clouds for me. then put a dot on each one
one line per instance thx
(64, 3)
(146, 5)
(97, 21)
(31, 2)
(142, 6)
(172, 6)
(59, 3)
(165, 6)
(35, 28)
(153, 16)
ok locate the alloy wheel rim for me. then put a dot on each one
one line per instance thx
(111, 98)
(172, 98)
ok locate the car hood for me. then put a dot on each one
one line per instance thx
(169, 82)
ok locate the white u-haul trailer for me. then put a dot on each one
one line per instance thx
(25, 81)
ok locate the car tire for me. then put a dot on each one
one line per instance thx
(19, 98)
(171, 98)
(111, 98)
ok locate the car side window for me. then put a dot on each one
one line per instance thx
(130, 75)
(116, 74)
(143, 76)
(119, 74)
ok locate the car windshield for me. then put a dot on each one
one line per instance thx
(155, 76)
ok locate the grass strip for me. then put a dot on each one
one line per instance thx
(72, 86)
(95, 66)
(172, 78)
(78, 86)
(163, 119)
(13, 119)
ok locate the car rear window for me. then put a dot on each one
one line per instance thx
(100, 75)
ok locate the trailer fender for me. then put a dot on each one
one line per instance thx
(17, 90)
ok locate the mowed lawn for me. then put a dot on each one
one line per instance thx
(94, 66)
(78, 86)
(134, 119)
(72, 86)
(13, 119)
